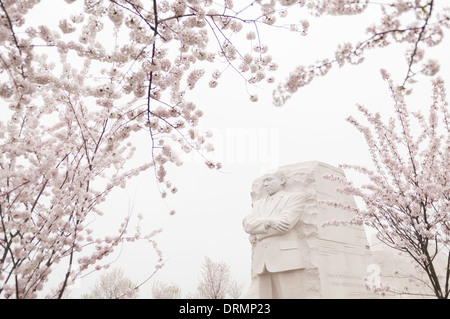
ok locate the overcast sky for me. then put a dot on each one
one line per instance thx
(210, 205)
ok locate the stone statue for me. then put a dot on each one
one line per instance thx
(293, 256)
(278, 251)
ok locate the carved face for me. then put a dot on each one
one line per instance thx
(273, 183)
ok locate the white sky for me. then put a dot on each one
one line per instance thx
(210, 205)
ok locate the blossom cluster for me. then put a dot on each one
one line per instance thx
(79, 92)
(395, 25)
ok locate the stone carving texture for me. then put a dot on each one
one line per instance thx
(337, 258)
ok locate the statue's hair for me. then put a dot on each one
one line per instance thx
(277, 173)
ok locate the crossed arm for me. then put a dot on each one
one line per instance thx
(264, 225)
(254, 224)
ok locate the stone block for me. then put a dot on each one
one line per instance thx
(339, 256)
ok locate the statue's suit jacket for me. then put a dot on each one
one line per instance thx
(274, 250)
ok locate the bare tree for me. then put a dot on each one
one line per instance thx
(113, 285)
(235, 290)
(215, 279)
(216, 282)
(161, 290)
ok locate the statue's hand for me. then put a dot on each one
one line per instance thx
(282, 225)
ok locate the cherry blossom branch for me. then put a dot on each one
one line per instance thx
(10, 25)
(422, 30)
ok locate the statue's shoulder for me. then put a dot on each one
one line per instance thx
(293, 196)
(289, 194)
(259, 200)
